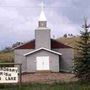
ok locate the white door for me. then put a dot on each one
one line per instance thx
(42, 63)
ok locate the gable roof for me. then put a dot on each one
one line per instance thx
(27, 45)
(51, 51)
(55, 44)
(31, 45)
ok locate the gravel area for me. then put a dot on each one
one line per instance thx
(48, 77)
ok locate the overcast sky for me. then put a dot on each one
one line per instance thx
(19, 18)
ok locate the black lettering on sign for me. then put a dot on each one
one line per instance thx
(1, 73)
(10, 78)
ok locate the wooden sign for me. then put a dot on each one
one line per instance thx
(9, 74)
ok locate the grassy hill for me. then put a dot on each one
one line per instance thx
(69, 41)
(6, 57)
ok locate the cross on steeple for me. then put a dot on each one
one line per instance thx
(42, 15)
(42, 18)
(42, 5)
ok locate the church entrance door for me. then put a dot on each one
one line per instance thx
(42, 63)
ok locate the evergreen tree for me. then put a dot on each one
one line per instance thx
(82, 59)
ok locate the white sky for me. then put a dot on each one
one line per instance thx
(19, 18)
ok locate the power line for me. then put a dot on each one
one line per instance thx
(45, 7)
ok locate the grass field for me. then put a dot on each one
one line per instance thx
(6, 57)
(48, 87)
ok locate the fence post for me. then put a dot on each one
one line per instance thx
(20, 76)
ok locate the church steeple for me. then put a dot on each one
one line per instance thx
(42, 33)
(42, 19)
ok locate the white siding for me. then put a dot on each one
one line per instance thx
(66, 62)
(42, 38)
(53, 61)
(19, 57)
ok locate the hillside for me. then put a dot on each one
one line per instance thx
(6, 57)
(68, 41)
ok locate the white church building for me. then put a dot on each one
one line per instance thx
(44, 53)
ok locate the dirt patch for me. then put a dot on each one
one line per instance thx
(48, 77)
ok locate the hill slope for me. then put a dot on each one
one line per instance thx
(68, 41)
(6, 57)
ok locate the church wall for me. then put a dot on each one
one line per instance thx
(42, 37)
(19, 57)
(66, 62)
(53, 61)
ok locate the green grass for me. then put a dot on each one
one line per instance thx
(70, 86)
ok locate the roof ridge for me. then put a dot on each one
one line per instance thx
(23, 44)
(42, 48)
(31, 45)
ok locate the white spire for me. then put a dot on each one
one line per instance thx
(42, 15)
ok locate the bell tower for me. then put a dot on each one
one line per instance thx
(42, 33)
